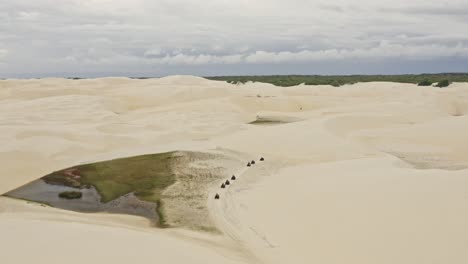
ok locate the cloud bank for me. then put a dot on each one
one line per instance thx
(212, 37)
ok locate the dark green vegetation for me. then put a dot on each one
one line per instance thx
(338, 80)
(425, 83)
(70, 195)
(146, 176)
(443, 83)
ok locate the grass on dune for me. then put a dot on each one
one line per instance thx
(339, 80)
(146, 176)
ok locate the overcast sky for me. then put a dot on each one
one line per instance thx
(89, 38)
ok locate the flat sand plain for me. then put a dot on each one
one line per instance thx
(363, 173)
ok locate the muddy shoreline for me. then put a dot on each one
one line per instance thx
(90, 202)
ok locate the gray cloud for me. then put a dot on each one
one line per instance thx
(3, 54)
(440, 9)
(73, 37)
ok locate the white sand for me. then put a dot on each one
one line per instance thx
(368, 173)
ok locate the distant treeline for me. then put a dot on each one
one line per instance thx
(441, 80)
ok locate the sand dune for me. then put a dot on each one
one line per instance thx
(364, 173)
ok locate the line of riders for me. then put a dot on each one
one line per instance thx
(233, 178)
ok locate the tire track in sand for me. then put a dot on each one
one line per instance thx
(226, 211)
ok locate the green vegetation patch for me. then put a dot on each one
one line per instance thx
(71, 195)
(339, 80)
(146, 176)
(443, 83)
(425, 83)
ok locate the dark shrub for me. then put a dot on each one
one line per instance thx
(336, 83)
(70, 195)
(425, 83)
(443, 83)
